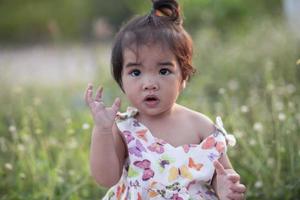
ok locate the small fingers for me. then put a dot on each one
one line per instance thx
(99, 94)
(89, 94)
(239, 188)
(236, 196)
(219, 168)
(116, 105)
(234, 177)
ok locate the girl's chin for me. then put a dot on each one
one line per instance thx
(151, 104)
(154, 111)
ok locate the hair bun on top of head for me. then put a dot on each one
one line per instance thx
(166, 8)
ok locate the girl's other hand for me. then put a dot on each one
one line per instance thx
(228, 184)
(103, 116)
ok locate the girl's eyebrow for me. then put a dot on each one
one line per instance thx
(167, 63)
(137, 64)
(133, 64)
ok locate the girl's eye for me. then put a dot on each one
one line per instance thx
(164, 71)
(135, 72)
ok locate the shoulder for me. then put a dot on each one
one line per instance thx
(200, 122)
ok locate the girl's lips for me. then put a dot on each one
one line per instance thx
(151, 101)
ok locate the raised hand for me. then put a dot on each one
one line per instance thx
(103, 116)
(228, 183)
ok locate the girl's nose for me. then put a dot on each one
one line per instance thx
(150, 85)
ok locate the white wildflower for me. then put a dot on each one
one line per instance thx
(222, 91)
(72, 144)
(233, 85)
(85, 126)
(281, 116)
(71, 172)
(244, 109)
(8, 166)
(258, 127)
(38, 131)
(53, 141)
(21, 147)
(60, 179)
(22, 175)
(258, 184)
(12, 129)
(279, 105)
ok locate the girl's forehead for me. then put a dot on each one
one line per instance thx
(155, 49)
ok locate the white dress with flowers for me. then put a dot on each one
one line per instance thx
(155, 169)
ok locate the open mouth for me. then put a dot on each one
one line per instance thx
(151, 100)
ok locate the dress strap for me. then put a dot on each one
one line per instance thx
(130, 112)
(124, 121)
(230, 139)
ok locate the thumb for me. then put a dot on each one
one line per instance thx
(219, 168)
(116, 105)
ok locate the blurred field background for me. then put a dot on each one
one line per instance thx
(247, 53)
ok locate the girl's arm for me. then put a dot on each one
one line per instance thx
(107, 150)
(107, 155)
(226, 180)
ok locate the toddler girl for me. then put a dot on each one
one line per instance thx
(158, 149)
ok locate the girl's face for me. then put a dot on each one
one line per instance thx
(151, 78)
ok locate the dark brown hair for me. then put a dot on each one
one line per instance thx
(164, 26)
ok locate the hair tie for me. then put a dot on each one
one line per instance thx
(166, 8)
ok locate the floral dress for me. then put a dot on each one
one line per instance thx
(154, 169)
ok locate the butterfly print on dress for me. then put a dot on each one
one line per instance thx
(137, 149)
(146, 166)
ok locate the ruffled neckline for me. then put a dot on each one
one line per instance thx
(131, 112)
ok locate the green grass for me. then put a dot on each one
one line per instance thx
(250, 79)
